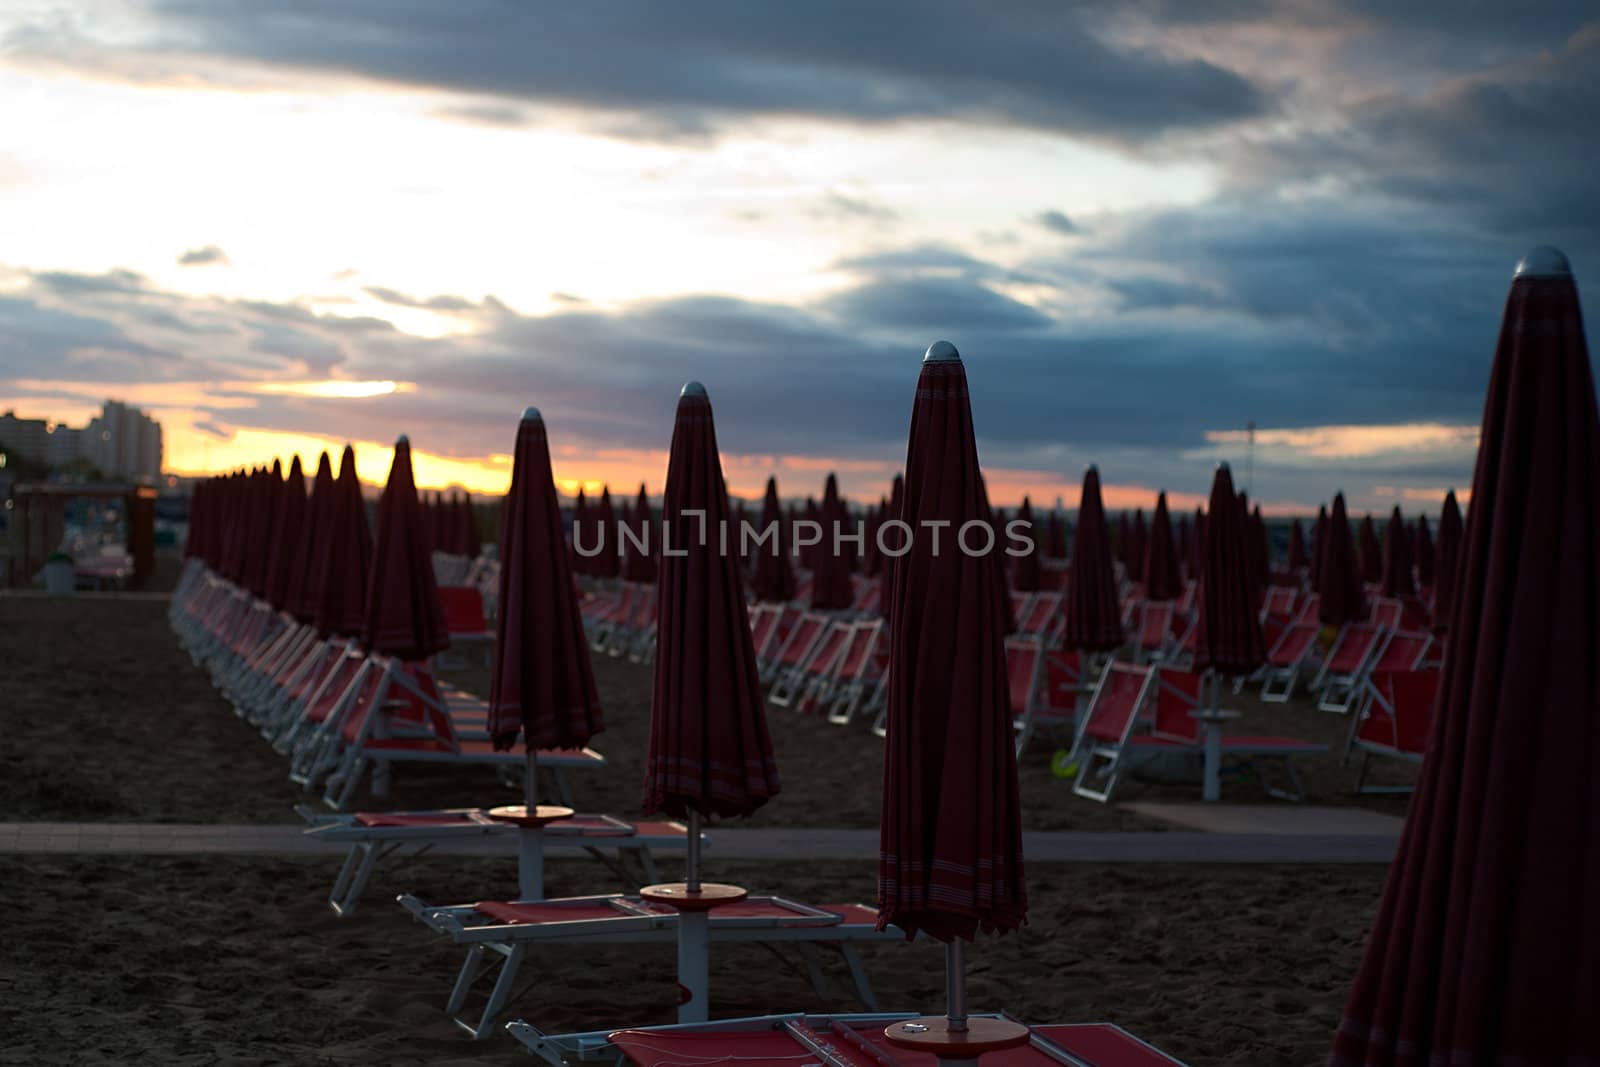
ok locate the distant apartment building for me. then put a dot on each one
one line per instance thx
(122, 442)
(27, 438)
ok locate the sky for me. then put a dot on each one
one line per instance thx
(1145, 224)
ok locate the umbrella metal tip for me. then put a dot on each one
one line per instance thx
(531, 414)
(402, 440)
(693, 389)
(941, 352)
(1544, 262)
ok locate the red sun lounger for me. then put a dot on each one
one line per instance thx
(1105, 727)
(1294, 653)
(825, 1041)
(1346, 664)
(1396, 713)
(511, 929)
(628, 849)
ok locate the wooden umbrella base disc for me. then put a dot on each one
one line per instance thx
(519, 815)
(677, 895)
(932, 1034)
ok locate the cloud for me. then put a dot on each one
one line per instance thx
(682, 71)
(432, 303)
(835, 205)
(1057, 222)
(209, 256)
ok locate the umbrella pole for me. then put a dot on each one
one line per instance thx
(694, 938)
(530, 839)
(1211, 789)
(955, 985)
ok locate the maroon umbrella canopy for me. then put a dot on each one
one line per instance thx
(1230, 628)
(951, 836)
(1125, 542)
(288, 529)
(1397, 580)
(263, 530)
(1422, 543)
(808, 553)
(638, 563)
(1296, 559)
(1141, 540)
(403, 616)
(894, 539)
(1485, 946)
(1055, 535)
(543, 684)
(1025, 577)
(471, 545)
(709, 747)
(302, 591)
(608, 562)
(830, 578)
(1260, 548)
(1371, 552)
(1094, 617)
(1448, 556)
(1161, 579)
(1197, 545)
(1342, 597)
(774, 574)
(1319, 547)
(344, 557)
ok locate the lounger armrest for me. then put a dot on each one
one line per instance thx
(419, 909)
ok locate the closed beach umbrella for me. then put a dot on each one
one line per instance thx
(1161, 579)
(774, 573)
(344, 559)
(264, 527)
(543, 685)
(1094, 617)
(1025, 568)
(302, 602)
(1055, 536)
(1319, 547)
(403, 614)
(1197, 545)
(638, 560)
(607, 563)
(1447, 563)
(1260, 549)
(709, 753)
(1485, 946)
(1296, 559)
(1343, 598)
(287, 532)
(951, 837)
(581, 535)
(1397, 580)
(471, 544)
(1371, 552)
(830, 578)
(1230, 629)
(1424, 557)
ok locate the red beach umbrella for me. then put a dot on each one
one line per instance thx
(1423, 542)
(1161, 579)
(345, 557)
(1397, 580)
(951, 839)
(1055, 535)
(263, 529)
(403, 614)
(288, 529)
(1141, 539)
(1230, 642)
(1371, 557)
(1197, 545)
(774, 574)
(581, 534)
(710, 753)
(1024, 569)
(1093, 615)
(1319, 547)
(1125, 543)
(301, 595)
(1296, 559)
(1260, 550)
(1448, 561)
(1485, 945)
(1343, 599)
(471, 544)
(830, 579)
(607, 563)
(638, 561)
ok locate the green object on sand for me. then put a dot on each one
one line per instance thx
(1062, 765)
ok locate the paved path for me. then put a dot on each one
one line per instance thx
(165, 839)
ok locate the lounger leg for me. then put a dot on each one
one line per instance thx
(1211, 791)
(469, 973)
(345, 890)
(647, 863)
(694, 965)
(858, 973)
(563, 787)
(501, 992)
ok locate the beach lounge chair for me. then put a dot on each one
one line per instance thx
(1294, 652)
(1345, 665)
(859, 675)
(1043, 619)
(1024, 668)
(1396, 714)
(627, 849)
(471, 639)
(1106, 725)
(810, 680)
(1279, 601)
(1154, 633)
(794, 653)
(824, 1041)
(1060, 687)
(512, 929)
(365, 740)
(1179, 700)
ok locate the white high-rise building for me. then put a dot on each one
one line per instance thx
(123, 442)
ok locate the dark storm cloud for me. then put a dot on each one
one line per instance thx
(209, 256)
(679, 70)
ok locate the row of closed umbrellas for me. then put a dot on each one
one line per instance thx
(1485, 945)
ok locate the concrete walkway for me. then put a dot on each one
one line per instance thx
(167, 839)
